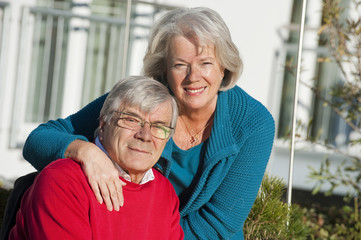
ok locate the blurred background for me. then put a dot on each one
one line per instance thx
(57, 56)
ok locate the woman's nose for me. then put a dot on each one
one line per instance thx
(194, 73)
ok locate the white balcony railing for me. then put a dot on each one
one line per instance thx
(69, 57)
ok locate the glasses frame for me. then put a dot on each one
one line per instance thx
(141, 123)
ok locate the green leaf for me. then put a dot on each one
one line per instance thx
(316, 189)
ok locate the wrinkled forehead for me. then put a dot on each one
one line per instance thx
(146, 102)
(145, 108)
(202, 45)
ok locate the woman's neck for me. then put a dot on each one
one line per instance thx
(193, 128)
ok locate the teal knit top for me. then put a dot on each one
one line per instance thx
(222, 193)
(185, 164)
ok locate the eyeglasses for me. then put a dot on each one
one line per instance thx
(129, 121)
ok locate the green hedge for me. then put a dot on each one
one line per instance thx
(271, 218)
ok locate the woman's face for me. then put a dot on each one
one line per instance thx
(194, 74)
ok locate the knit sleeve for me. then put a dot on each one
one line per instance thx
(50, 140)
(176, 229)
(224, 214)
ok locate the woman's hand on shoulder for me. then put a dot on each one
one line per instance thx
(102, 175)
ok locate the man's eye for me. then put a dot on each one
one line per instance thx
(159, 127)
(131, 120)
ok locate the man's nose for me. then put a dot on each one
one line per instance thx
(144, 133)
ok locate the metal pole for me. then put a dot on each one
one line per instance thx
(295, 104)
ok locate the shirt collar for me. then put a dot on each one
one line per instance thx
(148, 176)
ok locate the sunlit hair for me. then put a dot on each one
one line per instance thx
(138, 92)
(203, 27)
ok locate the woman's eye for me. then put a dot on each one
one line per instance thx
(179, 65)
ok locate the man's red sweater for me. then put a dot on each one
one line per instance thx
(61, 205)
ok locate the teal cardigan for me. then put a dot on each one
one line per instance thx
(235, 160)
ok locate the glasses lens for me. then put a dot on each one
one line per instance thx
(133, 123)
(160, 131)
(128, 122)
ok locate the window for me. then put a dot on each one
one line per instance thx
(327, 125)
(71, 54)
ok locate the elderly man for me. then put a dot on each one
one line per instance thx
(137, 119)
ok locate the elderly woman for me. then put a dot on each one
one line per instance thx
(223, 139)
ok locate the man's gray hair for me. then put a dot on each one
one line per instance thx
(203, 27)
(137, 91)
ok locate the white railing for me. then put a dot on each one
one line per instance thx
(68, 58)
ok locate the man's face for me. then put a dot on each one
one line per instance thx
(135, 151)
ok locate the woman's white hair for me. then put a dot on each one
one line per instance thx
(202, 26)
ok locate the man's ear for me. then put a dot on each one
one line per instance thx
(101, 123)
(101, 127)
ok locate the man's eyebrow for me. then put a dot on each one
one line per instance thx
(160, 123)
(131, 113)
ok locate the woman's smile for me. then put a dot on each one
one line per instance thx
(194, 91)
